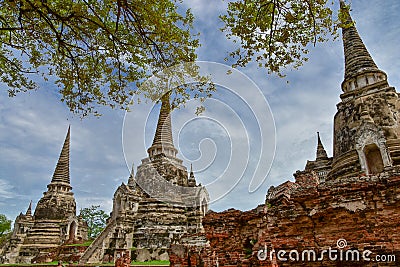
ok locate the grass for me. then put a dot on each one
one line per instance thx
(87, 243)
(150, 262)
(30, 264)
(141, 263)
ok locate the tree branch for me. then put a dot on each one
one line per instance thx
(313, 19)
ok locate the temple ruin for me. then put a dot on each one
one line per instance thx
(346, 205)
(156, 207)
(53, 223)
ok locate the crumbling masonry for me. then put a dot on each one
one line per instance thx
(349, 202)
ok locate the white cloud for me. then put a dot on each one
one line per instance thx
(6, 189)
(33, 126)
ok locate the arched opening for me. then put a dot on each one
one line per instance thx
(72, 231)
(117, 206)
(204, 206)
(374, 160)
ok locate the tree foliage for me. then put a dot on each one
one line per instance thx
(95, 219)
(5, 225)
(276, 33)
(96, 51)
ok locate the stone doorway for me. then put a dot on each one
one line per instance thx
(374, 159)
(72, 231)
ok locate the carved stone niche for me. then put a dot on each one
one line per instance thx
(372, 150)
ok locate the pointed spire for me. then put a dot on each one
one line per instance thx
(163, 142)
(132, 170)
(131, 180)
(321, 153)
(191, 180)
(191, 170)
(29, 210)
(61, 173)
(163, 133)
(357, 57)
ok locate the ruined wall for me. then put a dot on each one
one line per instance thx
(359, 213)
(229, 236)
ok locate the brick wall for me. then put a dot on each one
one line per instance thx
(363, 211)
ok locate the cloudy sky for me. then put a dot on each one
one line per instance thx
(234, 140)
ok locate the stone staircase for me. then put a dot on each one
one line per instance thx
(43, 238)
(94, 253)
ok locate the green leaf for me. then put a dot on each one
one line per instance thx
(95, 219)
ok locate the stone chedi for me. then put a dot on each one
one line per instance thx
(366, 135)
(366, 125)
(156, 207)
(54, 221)
(348, 204)
(322, 164)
